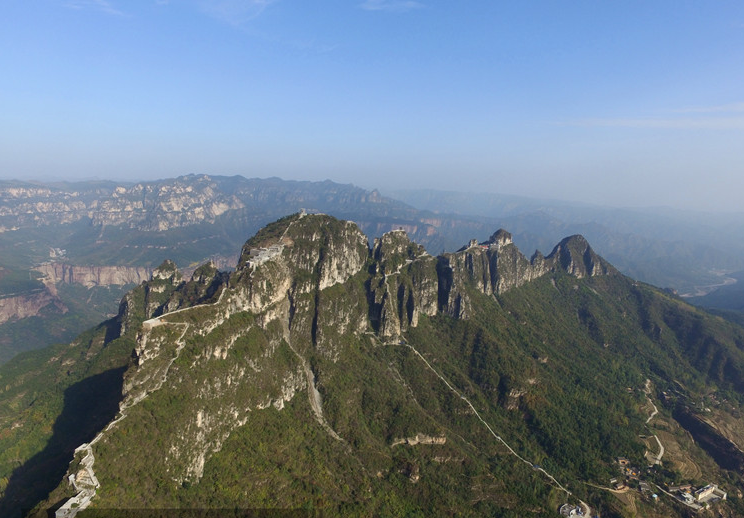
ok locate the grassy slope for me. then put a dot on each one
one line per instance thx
(51, 401)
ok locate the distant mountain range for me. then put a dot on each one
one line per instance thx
(70, 250)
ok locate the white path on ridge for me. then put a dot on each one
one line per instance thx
(661, 450)
(647, 390)
(82, 499)
(653, 414)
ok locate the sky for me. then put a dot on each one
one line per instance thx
(625, 103)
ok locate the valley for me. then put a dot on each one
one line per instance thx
(702, 291)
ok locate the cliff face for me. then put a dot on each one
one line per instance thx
(28, 305)
(404, 284)
(497, 266)
(90, 276)
(160, 207)
(408, 282)
(152, 297)
(146, 206)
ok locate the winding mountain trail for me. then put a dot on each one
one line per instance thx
(584, 505)
(661, 450)
(653, 414)
(647, 390)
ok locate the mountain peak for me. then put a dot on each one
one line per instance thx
(500, 238)
(167, 271)
(394, 249)
(576, 257)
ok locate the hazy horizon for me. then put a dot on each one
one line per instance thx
(395, 193)
(633, 105)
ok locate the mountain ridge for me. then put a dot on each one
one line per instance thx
(195, 218)
(313, 309)
(341, 253)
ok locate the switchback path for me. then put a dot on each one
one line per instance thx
(647, 390)
(653, 414)
(661, 450)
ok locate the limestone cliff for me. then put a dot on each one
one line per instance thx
(153, 206)
(28, 305)
(160, 207)
(497, 265)
(152, 297)
(404, 284)
(90, 276)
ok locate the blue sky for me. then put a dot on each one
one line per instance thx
(630, 103)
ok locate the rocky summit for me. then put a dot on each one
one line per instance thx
(333, 377)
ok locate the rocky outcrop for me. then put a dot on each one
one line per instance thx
(205, 283)
(574, 256)
(90, 276)
(492, 267)
(151, 206)
(420, 438)
(302, 255)
(406, 282)
(151, 298)
(496, 266)
(404, 285)
(28, 305)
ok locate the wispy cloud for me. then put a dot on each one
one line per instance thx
(103, 6)
(234, 12)
(712, 123)
(714, 117)
(390, 5)
(724, 108)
